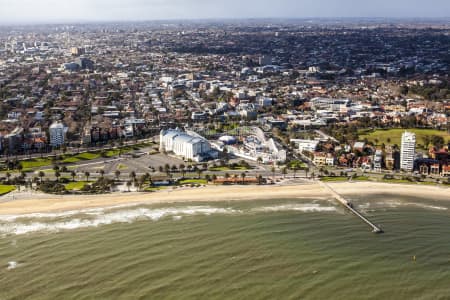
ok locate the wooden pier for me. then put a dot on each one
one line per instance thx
(349, 206)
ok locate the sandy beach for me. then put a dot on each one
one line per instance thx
(26, 203)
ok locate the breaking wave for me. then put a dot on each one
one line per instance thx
(78, 219)
(395, 204)
(296, 207)
(99, 217)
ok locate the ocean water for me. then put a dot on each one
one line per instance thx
(278, 249)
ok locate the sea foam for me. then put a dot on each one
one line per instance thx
(90, 218)
(12, 265)
(296, 207)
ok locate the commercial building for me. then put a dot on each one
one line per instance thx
(306, 145)
(189, 146)
(408, 151)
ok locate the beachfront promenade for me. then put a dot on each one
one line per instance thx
(340, 199)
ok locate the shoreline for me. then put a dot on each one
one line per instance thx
(28, 203)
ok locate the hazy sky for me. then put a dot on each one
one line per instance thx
(91, 10)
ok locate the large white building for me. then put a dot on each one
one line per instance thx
(306, 145)
(57, 134)
(188, 146)
(408, 151)
(331, 105)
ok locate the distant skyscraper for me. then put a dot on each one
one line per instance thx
(408, 151)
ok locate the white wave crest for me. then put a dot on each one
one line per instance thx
(296, 207)
(65, 214)
(102, 217)
(12, 265)
(433, 207)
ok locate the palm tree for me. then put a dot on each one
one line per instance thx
(260, 179)
(133, 175)
(87, 174)
(243, 178)
(321, 171)
(161, 169)
(57, 175)
(273, 172)
(147, 176)
(73, 174)
(117, 174)
(167, 169)
(141, 181)
(128, 185)
(225, 153)
(235, 177)
(102, 173)
(199, 173)
(227, 176)
(259, 160)
(41, 175)
(295, 168)
(284, 172)
(306, 171)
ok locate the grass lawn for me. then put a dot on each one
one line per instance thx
(405, 181)
(29, 165)
(122, 167)
(193, 181)
(219, 169)
(35, 163)
(334, 179)
(396, 135)
(76, 186)
(5, 189)
(343, 178)
(155, 189)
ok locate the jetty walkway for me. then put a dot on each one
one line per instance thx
(349, 206)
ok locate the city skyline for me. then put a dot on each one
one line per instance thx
(41, 11)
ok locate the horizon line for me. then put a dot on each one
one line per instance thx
(130, 21)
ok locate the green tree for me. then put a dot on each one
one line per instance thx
(73, 174)
(57, 175)
(41, 175)
(133, 175)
